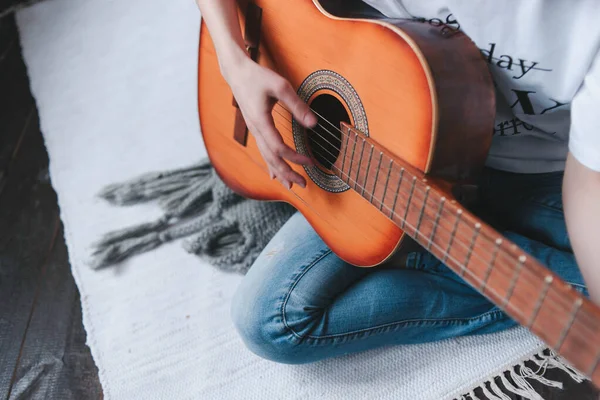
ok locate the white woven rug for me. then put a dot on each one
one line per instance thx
(115, 84)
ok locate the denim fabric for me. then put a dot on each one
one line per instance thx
(300, 303)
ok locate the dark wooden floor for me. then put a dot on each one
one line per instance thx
(43, 354)
(42, 342)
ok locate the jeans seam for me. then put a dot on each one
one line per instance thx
(390, 324)
(291, 288)
(434, 322)
(545, 205)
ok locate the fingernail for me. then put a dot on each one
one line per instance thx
(271, 175)
(289, 185)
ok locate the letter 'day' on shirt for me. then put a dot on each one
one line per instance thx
(545, 61)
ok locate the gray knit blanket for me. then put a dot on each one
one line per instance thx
(221, 227)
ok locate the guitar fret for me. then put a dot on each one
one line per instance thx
(470, 251)
(548, 280)
(422, 209)
(513, 281)
(352, 158)
(594, 365)
(359, 162)
(459, 214)
(397, 192)
(563, 335)
(345, 150)
(412, 189)
(387, 180)
(437, 221)
(367, 173)
(376, 176)
(488, 272)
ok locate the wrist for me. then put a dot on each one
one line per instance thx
(231, 62)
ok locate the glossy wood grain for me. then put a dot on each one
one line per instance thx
(395, 85)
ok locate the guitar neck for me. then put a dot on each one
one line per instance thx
(517, 283)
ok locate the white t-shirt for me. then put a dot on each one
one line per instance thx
(544, 56)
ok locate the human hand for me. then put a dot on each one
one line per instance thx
(257, 89)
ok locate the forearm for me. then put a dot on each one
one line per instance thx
(581, 197)
(221, 18)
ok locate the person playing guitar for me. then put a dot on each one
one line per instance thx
(301, 303)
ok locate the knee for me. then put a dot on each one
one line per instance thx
(260, 325)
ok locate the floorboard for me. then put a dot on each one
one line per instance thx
(16, 103)
(55, 363)
(27, 210)
(28, 217)
(42, 341)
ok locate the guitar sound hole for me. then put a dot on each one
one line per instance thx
(324, 141)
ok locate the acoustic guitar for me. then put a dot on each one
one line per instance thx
(405, 110)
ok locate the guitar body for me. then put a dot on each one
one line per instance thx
(420, 91)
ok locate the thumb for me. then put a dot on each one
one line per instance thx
(299, 109)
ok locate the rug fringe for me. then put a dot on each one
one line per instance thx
(519, 373)
(557, 361)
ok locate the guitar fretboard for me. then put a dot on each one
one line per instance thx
(514, 281)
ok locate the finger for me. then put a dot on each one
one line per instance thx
(278, 166)
(273, 139)
(288, 153)
(299, 109)
(269, 158)
(285, 172)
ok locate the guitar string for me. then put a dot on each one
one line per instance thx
(444, 211)
(568, 305)
(513, 261)
(418, 189)
(514, 295)
(448, 213)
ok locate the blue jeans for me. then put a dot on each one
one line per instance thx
(300, 303)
